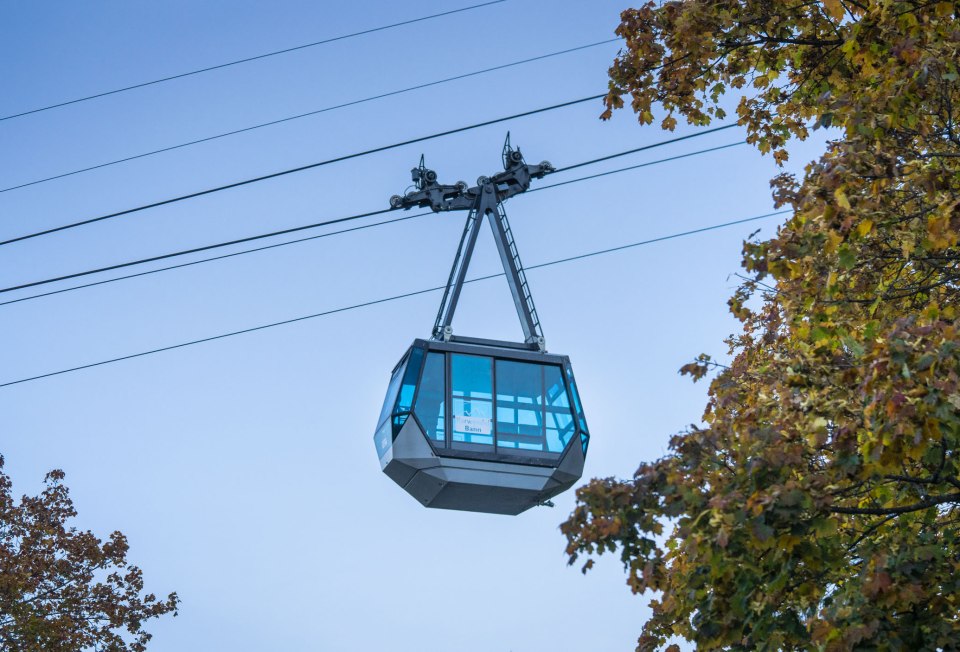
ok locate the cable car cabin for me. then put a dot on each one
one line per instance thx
(482, 426)
(473, 424)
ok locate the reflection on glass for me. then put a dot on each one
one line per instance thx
(398, 421)
(405, 401)
(520, 408)
(558, 418)
(519, 405)
(430, 399)
(392, 390)
(382, 439)
(576, 399)
(472, 376)
(472, 406)
(472, 421)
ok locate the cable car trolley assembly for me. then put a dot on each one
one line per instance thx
(476, 424)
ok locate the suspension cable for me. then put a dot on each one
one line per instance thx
(248, 59)
(348, 218)
(358, 228)
(304, 115)
(213, 258)
(388, 299)
(301, 168)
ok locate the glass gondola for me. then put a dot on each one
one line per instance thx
(475, 424)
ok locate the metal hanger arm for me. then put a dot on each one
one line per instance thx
(483, 200)
(451, 294)
(516, 277)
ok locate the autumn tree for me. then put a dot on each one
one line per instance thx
(63, 590)
(818, 506)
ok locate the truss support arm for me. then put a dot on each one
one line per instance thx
(516, 277)
(442, 329)
(483, 200)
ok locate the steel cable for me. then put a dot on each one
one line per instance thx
(391, 298)
(301, 168)
(248, 59)
(271, 234)
(303, 115)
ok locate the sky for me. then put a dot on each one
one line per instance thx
(243, 470)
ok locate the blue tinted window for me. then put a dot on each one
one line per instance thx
(430, 399)
(472, 376)
(559, 420)
(520, 405)
(398, 421)
(383, 439)
(471, 385)
(472, 421)
(576, 399)
(392, 390)
(405, 400)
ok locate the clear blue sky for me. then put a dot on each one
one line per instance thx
(243, 470)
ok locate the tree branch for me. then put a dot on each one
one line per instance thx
(883, 511)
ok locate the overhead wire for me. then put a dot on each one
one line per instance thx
(634, 167)
(388, 299)
(301, 168)
(356, 228)
(249, 59)
(195, 250)
(213, 258)
(271, 234)
(327, 162)
(307, 114)
(635, 150)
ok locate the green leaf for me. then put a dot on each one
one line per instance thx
(846, 257)
(761, 530)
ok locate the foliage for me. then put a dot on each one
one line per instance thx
(63, 590)
(818, 507)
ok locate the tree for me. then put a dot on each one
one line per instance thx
(818, 505)
(62, 590)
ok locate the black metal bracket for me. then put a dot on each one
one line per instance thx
(484, 199)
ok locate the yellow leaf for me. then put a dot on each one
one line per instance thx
(864, 227)
(939, 232)
(841, 198)
(944, 9)
(833, 242)
(834, 9)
